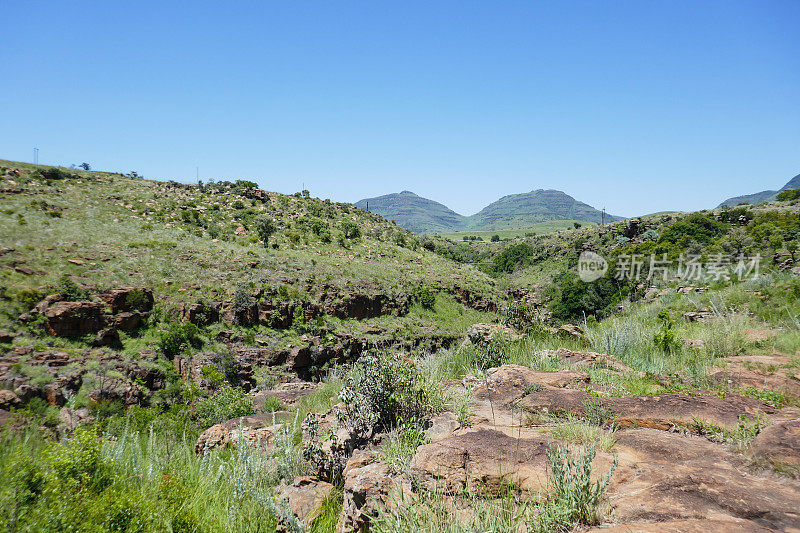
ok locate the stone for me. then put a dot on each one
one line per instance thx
(129, 299)
(128, 321)
(106, 337)
(369, 486)
(478, 333)
(8, 399)
(69, 319)
(778, 445)
(306, 496)
(252, 429)
(759, 335)
(201, 313)
(572, 331)
(703, 315)
(289, 394)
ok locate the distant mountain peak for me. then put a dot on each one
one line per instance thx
(762, 196)
(421, 215)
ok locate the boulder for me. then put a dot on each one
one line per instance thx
(106, 337)
(289, 394)
(129, 299)
(201, 313)
(478, 333)
(72, 418)
(571, 331)
(252, 429)
(69, 319)
(8, 399)
(484, 460)
(703, 315)
(779, 446)
(759, 335)
(305, 497)
(128, 321)
(369, 486)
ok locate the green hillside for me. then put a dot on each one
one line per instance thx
(763, 196)
(514, 212)
(415, 213)
(517, 210)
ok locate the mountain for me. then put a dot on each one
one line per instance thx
(763, 196)
(421, 215)
(516, 210)
(415, 213)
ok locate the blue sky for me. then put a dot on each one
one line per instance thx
(634, 106)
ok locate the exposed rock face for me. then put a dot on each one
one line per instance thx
(70, 319)
(478, 333)
(8, 399)
(306, 496)
(572, 331)
(369, 486)
(483, 460)
(200, 313)
(289, 394)
(253, 429)
(779, 446)
(129, 299)
(739, 377)
(704, 315)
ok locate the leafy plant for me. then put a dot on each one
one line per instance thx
(228, 402)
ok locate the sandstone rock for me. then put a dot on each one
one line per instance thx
(703, 315)
(442, 426)
(478, 333)
(8, 399)
(6, 337)
(129, 299)
(739, 377)
(253, 429)
(306, 496)
(369, 486)
(695, 343)
(779, 446)
(69, 319)
(484, 460)
(289, 394)
(582, 358)
(72, 418)
(200, 313)
(759, 335)
(128, 321)
(670, 477)
(572, 331)
(661, 411)
(106, 337)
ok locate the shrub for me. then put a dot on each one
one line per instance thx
(29, 297)
(572, 298)
(178, 336)
(693, 228)
(665, 339)
(228, 402)
(490, 355)
(495, 238)
(242, 299)
(511, 257)
(70, 290)
(425, 296)
(350, 230)
(788, 195)
(520, 316)
(574, 495)
(264, 227)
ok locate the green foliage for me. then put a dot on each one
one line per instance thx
(246, 184)
(242, 299)
(382, 389)
(512, 257)
(693, 228)
(575, 496)
(789, 195)
(572, 298)
(665, 339)
(70, 290)
(228, 402)
(264, 227)
(490, 354)
(350, 230)
(520, 316)
(495, 238)
(425, 296)
(27, 298)
(176, 336)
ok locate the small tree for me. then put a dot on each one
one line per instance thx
(85, 166)
(264, 227)
(351, 229)
(791, 247)
(495, 238)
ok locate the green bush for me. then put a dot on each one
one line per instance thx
(693, 228)
(425, 296)
(228, 402)
(177, 336)
(264, 227)
(512, 257)
(789, 195)
(350, 230)
(572, 298)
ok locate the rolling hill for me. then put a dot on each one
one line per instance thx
(763, 196)
(414, 213)
(421, 215)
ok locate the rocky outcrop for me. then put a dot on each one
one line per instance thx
(71, 319)
(257, 430)
(306, 497)
(778, 446)
(127, 299)
(369, 486)
(480, 333)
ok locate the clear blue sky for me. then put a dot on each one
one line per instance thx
(636, 106)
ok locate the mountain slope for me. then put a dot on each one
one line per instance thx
(763, 196)
(413, 212)
(529, 208)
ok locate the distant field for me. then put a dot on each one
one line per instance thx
(536, 229)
